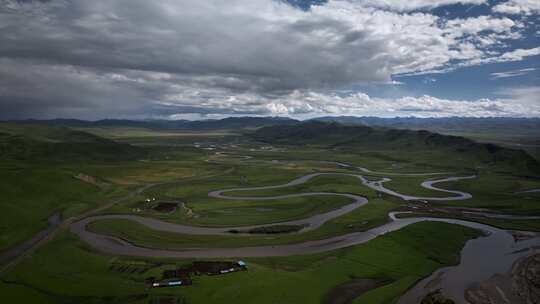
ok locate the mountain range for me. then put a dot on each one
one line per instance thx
(444, 124)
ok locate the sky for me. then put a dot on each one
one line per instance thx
(204, 59)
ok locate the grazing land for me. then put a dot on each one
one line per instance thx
(169, 175)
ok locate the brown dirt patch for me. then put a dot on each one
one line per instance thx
(91, 180)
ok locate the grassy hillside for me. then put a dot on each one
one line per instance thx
(519, 133)
(199, 125)
(37, 142)
(338, 136)
(509, 125)
(38, 166)
(30, 194)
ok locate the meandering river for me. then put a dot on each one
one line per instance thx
(480, 258)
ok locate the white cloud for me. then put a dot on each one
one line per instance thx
(472, 26)
(283, 48)
(93, 94)
(514, 7)
(395, 83)
(429, 80)
(411, 5)
(238, 56)
(527, 96)
(515, 55)
(513, 73)
(519, 54)
(519, 102)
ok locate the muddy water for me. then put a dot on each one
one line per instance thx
(375, 185)
(310, 223)
(481, 258)
(457, 195)
(498, 240)
(501, 216)
(105, 244)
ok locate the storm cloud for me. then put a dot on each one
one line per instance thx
(139, 58)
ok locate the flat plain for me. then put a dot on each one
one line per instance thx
(77, 173)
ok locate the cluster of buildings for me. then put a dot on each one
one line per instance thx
(182, 275)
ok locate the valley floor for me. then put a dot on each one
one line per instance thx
(343, 196)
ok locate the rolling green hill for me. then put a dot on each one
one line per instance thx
(38, 142)
(38, 165)
(511, 132)
(230, 123)
(355, 137)
(510, 125)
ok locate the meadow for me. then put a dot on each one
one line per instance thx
(184, 167)
(66, 271)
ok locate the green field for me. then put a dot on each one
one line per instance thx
(65, 271)
(184, 167)
(372, 215)
(40, 191)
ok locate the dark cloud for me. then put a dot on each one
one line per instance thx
(138, 57)
(139, 35)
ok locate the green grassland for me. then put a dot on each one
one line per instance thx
(498, 192)
(38, 165)
(65, 271)
(33, 191)
(510, 224)
(30, 194)
(371, 215)
(323, 183)
(134, 134)
(222, 212)
(526, 140)
(411, 185)
(196, 176)
(230, 213)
